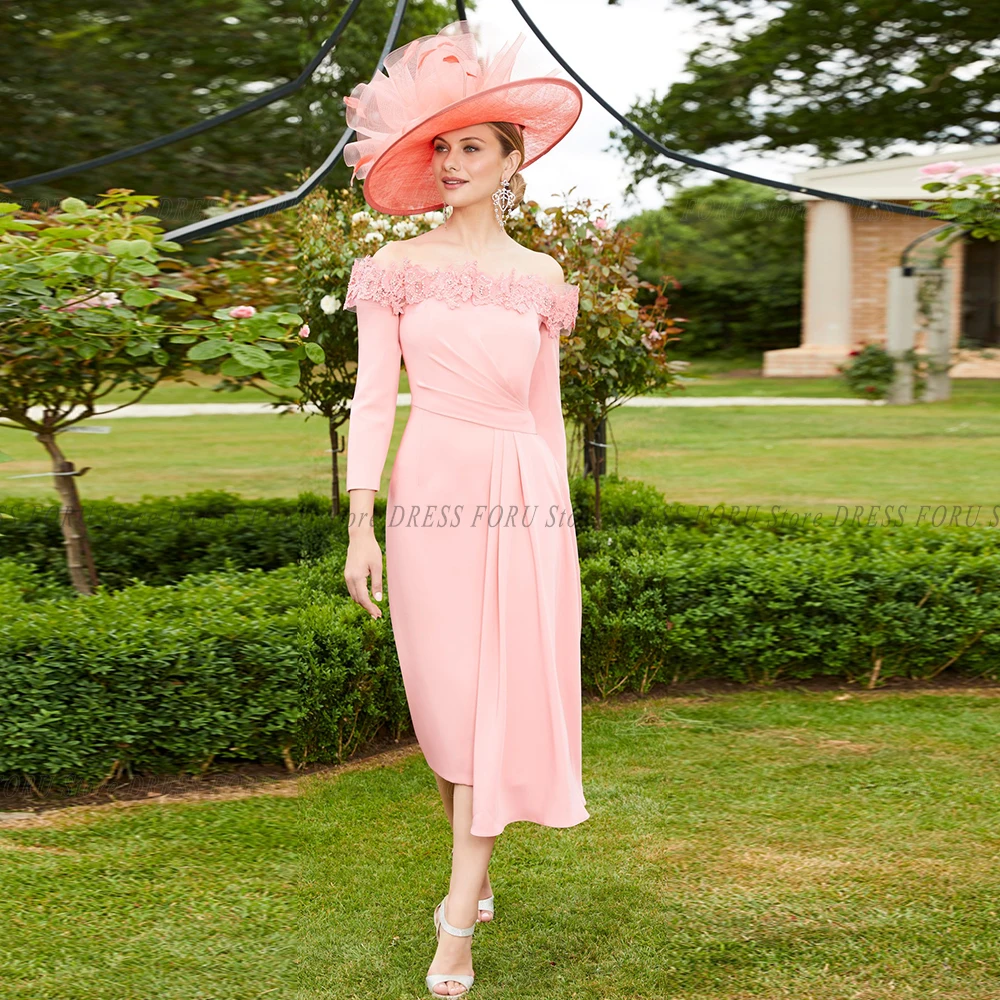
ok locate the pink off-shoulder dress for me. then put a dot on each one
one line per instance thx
(481, 558)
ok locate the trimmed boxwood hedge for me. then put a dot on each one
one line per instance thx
(280, 665)
(161, 540)
(266, 667)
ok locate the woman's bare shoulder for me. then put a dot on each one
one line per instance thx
(415, 249)
(388, 252)
(548, 268)
(425, 250)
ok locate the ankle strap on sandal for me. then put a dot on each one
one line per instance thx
(451, 928)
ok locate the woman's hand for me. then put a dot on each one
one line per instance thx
(364, 559)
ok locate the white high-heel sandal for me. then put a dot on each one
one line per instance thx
(486, 904)
(435, 979)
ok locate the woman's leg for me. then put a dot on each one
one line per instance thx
(447, 790)
(470, 859)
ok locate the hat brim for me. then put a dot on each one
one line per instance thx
(400, 181)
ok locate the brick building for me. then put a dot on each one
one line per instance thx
(849, 251)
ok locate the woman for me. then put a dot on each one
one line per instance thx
(481, 556)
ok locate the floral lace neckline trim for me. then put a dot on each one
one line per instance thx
(398, 282)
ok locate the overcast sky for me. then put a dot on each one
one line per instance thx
(625, 53)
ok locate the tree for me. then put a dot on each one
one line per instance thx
(336, 228)
(844, 81)
(83, 79)
(618, 349)
(737, 250)
(85, 298)
(304, 258)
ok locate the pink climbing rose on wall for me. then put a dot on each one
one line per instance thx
(970, 198)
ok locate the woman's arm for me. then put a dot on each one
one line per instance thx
(373, 415)
(545, 397)
(373, 407)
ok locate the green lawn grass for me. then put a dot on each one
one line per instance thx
(759, 845)
(809, 460)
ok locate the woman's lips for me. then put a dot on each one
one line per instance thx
(453, 183)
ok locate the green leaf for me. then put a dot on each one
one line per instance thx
(315, 354)
(73, 205)
(209, 349)
(175, 293)
(233, 368)
(283, 373)
(129, 248)
(182, 338)
(198, 324)
(251, 356)
(140, 297)
(90, 265)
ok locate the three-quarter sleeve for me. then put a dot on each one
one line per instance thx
(373, 407)
(545, 397)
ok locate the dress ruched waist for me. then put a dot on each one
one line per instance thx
(480, 412)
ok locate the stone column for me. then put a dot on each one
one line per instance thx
(827, 319)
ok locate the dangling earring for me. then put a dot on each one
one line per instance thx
(503, 202)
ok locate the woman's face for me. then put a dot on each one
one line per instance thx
(468, 166)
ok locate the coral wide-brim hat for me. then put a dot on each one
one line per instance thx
(432, 85)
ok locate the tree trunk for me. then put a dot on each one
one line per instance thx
(79, 558)
(335, 449)
(592, 458)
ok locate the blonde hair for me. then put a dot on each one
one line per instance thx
(511, 139)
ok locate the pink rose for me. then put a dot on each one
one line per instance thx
(304, 330)
(944, 167)
(93, 301)
(242, 312)
(991, 169)
(967, 171)
(601, 223)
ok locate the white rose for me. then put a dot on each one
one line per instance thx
(329, 304)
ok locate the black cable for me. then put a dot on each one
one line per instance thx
(290, 198)
(203, 126)
(693, 162)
